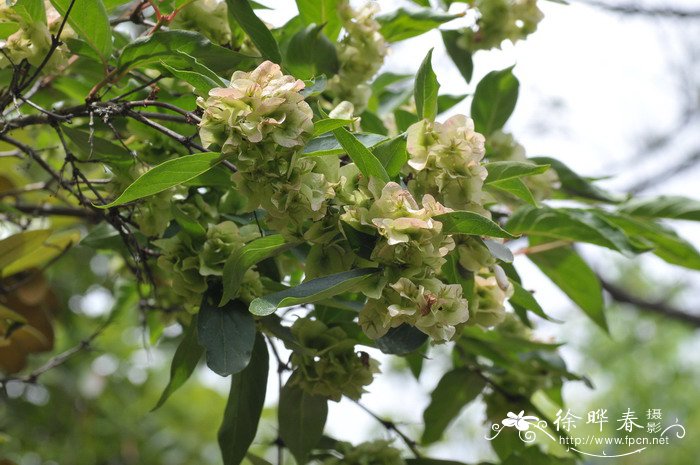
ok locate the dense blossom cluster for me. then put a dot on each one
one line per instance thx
(329, 365)
(361, 53)
(500, 20)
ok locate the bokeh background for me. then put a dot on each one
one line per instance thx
(610, 88)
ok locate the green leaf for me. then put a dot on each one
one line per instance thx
(166, 175)
(569, 224)
(462, 58)
(427, 461)
(93, 147)
(327, 144)
(202, 84)
(453, 392)
(311, 53)
(666, 206)
(403, 23)
(329, 124)
(14, 247)
(242, 259)
(301, 418)
(575, 185)
(526, 300)
(365, 160)
(243, 14)
(227, 334)
(445, 101)
(401, 340)
(184, 362)
(244, 406)
(494, 100)
(516, 187)
(89, 19)
(178, 48)
(572, 275)
(311, 291)
(464, 222)
(667, 244)
(392, 155)
(321, 12)
(426, 89)
(505, 170)
(41, 254)
(30, 10)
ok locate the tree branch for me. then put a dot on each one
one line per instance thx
(659, 307)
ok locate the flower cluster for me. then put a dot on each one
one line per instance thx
(492, 290)
(32, 39)
(188, 261)
(260, 122)
(367, 453)
(500, 20)
(329, 366)
(209, 17)
(444, 160)
(502, 146)
(361, 53)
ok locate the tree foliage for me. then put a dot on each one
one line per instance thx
(275, 191)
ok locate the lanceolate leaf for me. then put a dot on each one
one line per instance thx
(311, 53)
(525, 299)
(242, 259)
(463, 222)
(494, 100)
(401, 340)
(311, 291)
(666, 206)
(227, 334)
(514, 186)
(166, 175)
(244, 406)
(392, 155)
(89, 19)
(365, 160)
(573, 184)
(301, 420)
(462, 58)
(243, 13)
(184, 362)
(14, 247)
(321, 12)
(505, 170)
(327, 144)
(177, 48)
(201, 83)
(403, 24)
(329, 124)
(573, 276)
(426, 89)
(667, 244)
(454, 391)
(570, 225)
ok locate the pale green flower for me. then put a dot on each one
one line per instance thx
(221, 241)
(473, 254)
(500, 20)
(179, 260)
(430, 305)
(361, 53)
(260, 113)
(330, 367)
(488, 309)
(444, 159)
(209, 17)
(502, 146)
